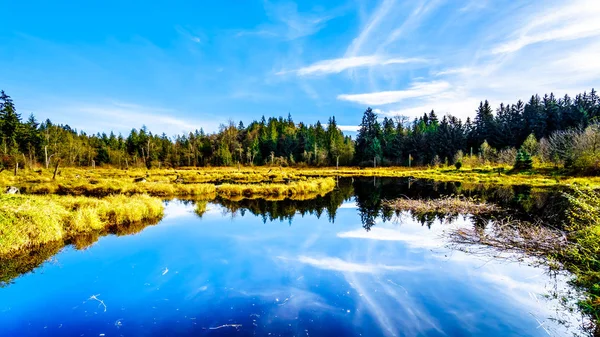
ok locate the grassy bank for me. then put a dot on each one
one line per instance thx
(27, 222)
(583, 257)
(199, 182)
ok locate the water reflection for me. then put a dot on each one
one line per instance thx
(341, 264)
(368, 194)
(364, 194)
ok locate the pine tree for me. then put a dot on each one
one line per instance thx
(388, 139)
(368, 140)
(484, 124)
(523, 161)
(9, 123)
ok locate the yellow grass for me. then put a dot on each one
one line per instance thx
(28, 221)
(317, 186)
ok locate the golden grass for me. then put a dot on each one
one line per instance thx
(317, 186)
(30, 221)
(254, 182)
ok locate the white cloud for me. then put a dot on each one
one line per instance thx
(412, 238)
(349, 128)
(340, 64)
(188, 34)
(374, 21)
(122, 117)
(574, 20)
(418, 89)
(333, 263)
(454, 71)
(287, 22)
(412, 21)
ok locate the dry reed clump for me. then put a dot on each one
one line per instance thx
(511, 236)
(28, 221)
(299, 188)
(454, 205)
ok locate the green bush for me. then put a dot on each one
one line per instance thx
(523, 161)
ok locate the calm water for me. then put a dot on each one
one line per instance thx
(311, 268)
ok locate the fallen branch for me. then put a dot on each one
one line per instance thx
(511, 236)
(454, 205)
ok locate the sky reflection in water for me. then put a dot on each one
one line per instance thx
(237, 275)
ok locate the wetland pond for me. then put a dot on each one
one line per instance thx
(336, 265)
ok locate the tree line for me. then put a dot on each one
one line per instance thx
(492, 137)
(534, 127)
(273, 141)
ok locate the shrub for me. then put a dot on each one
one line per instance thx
(523, 161)
(458, 165)
(507, 156)
(531, 145)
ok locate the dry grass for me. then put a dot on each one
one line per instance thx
(31, 221)
(509, 235)
(452, 205)
(313, 187)
(201, 182)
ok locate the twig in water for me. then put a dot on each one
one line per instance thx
(95, 297)
(237, 326)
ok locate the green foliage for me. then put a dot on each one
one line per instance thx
(531, 145)
(523, 161)
(368, 142)
(583, 258)
(486, 152)
(458, 165)
(281, 141)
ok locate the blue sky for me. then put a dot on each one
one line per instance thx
(182, 65)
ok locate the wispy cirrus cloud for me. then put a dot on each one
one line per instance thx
(575, 20)
(341, 64)
(187, 33)
(121, 117)
(371, 26)
(337, 264)
(289, 23)
(535, 52)
(418, 89)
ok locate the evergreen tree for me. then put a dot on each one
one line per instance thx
(484, 124)
(368, 141)
(9, 124)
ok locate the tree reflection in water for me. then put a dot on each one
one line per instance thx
(368, 194)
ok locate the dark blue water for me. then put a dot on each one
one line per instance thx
(234, 275)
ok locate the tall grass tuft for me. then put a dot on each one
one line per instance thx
(28, 221)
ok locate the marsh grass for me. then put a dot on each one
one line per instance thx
(583, 257)
(197, 182)
(313, 187)
(28, 221)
